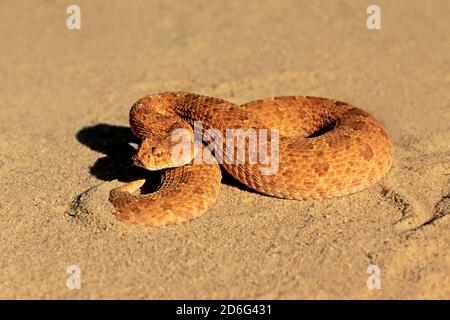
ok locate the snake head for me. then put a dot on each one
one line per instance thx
(166, 150)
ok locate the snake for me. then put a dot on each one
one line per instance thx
(323, 148)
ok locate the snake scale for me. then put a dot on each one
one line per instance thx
(326, 148)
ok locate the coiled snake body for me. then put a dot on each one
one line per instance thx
(326, 148)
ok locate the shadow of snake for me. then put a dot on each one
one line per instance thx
(117, 164)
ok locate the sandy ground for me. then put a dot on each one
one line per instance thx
(65, 96)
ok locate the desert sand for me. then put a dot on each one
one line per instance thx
(65, 97)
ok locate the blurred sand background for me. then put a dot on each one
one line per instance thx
(65, 97)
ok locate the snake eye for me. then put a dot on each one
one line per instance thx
(157, 152)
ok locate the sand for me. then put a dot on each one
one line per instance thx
(65, 97)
